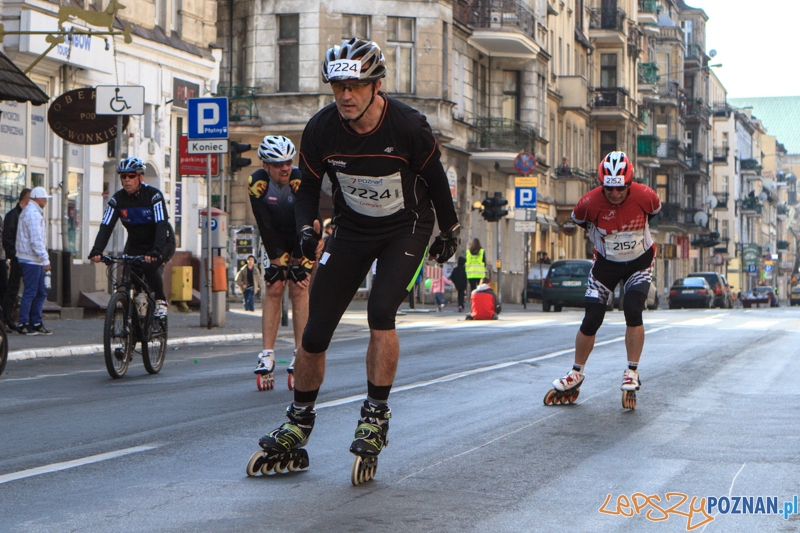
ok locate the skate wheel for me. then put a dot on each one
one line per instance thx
(291, 466)
(260, 383)
(290, 382)
(282, 465)
(255, 463)
(574, 396)
(629, 399)
(563, 399)
(549, 397)
(270, 383)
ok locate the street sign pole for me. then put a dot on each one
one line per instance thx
(209, 268)
(118, 154)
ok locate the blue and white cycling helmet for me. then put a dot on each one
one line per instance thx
(276, 149)
(131, 164)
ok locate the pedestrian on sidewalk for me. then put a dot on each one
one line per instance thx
(34, 261)
(249, 281)
(438, 285)
(475, 263)
(484, 302)
(459, 278)
(10, 249)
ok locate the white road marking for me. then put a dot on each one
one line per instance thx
(56, 467)
(466, 373)
(707, 321)
(526, 323)
(418, 325)
(758, 324)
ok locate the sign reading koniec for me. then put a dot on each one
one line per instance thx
(72, 117)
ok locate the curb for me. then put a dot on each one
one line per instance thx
(89, 349)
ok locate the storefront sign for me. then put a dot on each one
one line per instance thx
(750, 252)
(38, 131)
(72, 117)
(452, 180)
(181, 92)
(14, 129)
(683, 246)
(194, 164)
(80, 50)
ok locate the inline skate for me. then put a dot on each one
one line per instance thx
(630, 384)
(370, 439)
(282, 449)
(290, 370)
(566, 389)
(265, 370)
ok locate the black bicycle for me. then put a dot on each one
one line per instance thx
(130, 320)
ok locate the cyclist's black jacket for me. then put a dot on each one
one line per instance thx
(273, 207)
(144, 215)
(392, 176)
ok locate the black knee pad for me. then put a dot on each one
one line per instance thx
(632, 306)
(593, 319)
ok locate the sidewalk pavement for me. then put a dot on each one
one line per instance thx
(85, 336)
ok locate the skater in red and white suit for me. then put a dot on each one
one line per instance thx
(616, 214)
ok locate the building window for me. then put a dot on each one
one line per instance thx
(400, 55)
(481, 90)
(289, 53)
(608, 142)
(608, 70)
(662, 185)
(356, 26)
(511, 94)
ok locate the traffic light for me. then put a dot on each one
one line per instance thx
(237, 162)
(493, 207)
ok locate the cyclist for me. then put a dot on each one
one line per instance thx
(387, 178)
(272, 196)
(143, 212)
(617, 216)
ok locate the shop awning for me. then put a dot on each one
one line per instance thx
(16, 86)
(545, 221)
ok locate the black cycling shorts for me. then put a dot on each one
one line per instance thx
(288, 247)
(341, 270)
(605, 275)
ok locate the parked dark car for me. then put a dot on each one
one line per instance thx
(761, 295)
(794, 295)
(650, 303)
(722, 295)
(690, 292)
(535, 276)
(565, 284)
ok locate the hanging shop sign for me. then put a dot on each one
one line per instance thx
(72, 117)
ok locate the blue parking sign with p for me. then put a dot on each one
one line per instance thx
(208, 118)
(525, 197)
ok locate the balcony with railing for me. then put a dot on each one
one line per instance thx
(751, 206)
(613, 99)
(694, 53)
(647, 145)
(722, 199)
(750, 166)
(697, 164)
(462, 11)
(503, 27)
(648, 74)
(502, 135)
(672, 215)
(782, 211)
(697, 110)
(607, 26)
(721, 154)
(241, 102)
(721, 110)
(670, 149)
(649, 11)
(669, 91)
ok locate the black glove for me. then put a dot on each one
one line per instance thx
(308, 242)
(298, 273)
(443, 248)
(273, 273)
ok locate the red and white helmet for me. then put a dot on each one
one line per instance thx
(615, 170)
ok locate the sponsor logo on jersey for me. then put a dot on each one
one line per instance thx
(389, 150)
(336, 163)
(272, 200)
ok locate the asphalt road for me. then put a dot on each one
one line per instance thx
(472, 447)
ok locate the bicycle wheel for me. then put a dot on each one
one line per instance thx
(155, 349)
(3, 347)
(117, 341)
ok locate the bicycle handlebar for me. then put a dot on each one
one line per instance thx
(111, 259)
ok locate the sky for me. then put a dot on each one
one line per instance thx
(756, 42)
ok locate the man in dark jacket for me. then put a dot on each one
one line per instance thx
(10, 249)
(459, 278)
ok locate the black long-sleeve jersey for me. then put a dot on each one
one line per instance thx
(10, 232)
(385, 182)
(144, 215)
(273, 207)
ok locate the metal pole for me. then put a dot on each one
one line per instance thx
(527, 269)
(499, 263)
(209, 269)
(118, 154)
(65, 177)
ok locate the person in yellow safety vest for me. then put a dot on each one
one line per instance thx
(476, 264)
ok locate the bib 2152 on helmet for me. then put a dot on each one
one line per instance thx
(615, 170)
